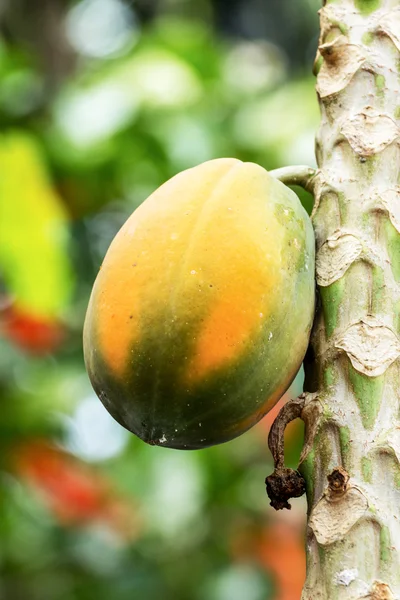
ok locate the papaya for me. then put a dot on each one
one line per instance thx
(201, 312)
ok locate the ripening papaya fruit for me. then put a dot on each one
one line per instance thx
(200, 316)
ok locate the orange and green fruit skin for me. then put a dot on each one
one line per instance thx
(200, 315)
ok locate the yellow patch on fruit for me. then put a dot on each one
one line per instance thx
(142, 265)
(223, 337)
(243, 273)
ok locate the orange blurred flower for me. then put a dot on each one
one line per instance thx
(278, 546)
(73, 491)
(281, 551)
(33, 334)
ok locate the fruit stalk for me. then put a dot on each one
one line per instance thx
(300, 175)
(352, 369)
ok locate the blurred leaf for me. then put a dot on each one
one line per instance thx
(284, 121)
(192, 40)
(89, 114)
(33, 231)
(238, 582)
(101, 28)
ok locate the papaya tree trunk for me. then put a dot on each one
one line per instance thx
(352, 412)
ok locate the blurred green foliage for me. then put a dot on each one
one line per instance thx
(87, 511)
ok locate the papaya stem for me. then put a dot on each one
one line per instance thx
(300, 175)
(284, 483)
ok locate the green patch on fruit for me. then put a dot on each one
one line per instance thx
(366, 7)
(366, 469)
(156, 401)
(393, 248)
(331, 297)
(368, 393)
(384, 539)
(296, 256)
(344, 438)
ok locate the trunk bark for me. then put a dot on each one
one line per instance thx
(352, 409)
